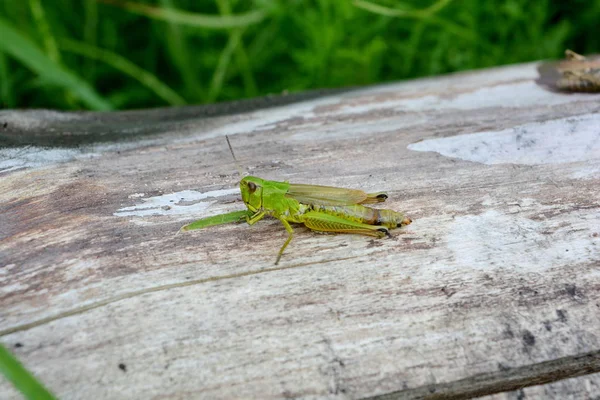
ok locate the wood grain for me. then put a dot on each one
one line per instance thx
(497, 273)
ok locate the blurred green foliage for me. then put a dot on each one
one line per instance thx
(102, 54)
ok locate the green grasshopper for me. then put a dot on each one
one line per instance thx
(319, 208)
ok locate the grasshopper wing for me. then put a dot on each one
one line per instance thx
(332, 196)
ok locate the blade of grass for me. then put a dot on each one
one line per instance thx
(39, 17)
(23, 49)
(412, 48)
(177, 47)
(435, 7)
(22, 379)
(243, 63)
(191, 19)
(90, 34)
(49, 43)
(7, 98)
(427, 14)
(224, 60)
(125, 66)
(396, 12)
(263, 39)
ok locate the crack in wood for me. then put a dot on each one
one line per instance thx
(504, 380)
(125, 296)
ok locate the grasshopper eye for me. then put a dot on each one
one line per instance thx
(252, 187)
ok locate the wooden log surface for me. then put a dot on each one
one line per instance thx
(493, 289)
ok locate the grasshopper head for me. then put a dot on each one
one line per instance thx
(252, 189)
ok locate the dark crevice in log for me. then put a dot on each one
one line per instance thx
(503, 380)
(68, 129)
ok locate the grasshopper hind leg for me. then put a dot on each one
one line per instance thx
(321, 222)
(385, 231)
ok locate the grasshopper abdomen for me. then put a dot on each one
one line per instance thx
(365, 215)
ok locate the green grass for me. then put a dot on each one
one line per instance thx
(22, 379)
(113, 54)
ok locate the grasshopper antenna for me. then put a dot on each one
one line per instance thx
(240, 171)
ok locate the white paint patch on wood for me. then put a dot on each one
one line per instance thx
(175, 203)
(557, 141)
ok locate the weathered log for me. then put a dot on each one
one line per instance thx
(497, 273)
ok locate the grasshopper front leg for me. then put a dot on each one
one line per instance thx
(251, 220)
(290, 231)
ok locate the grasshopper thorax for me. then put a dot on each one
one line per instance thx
(252, 191)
